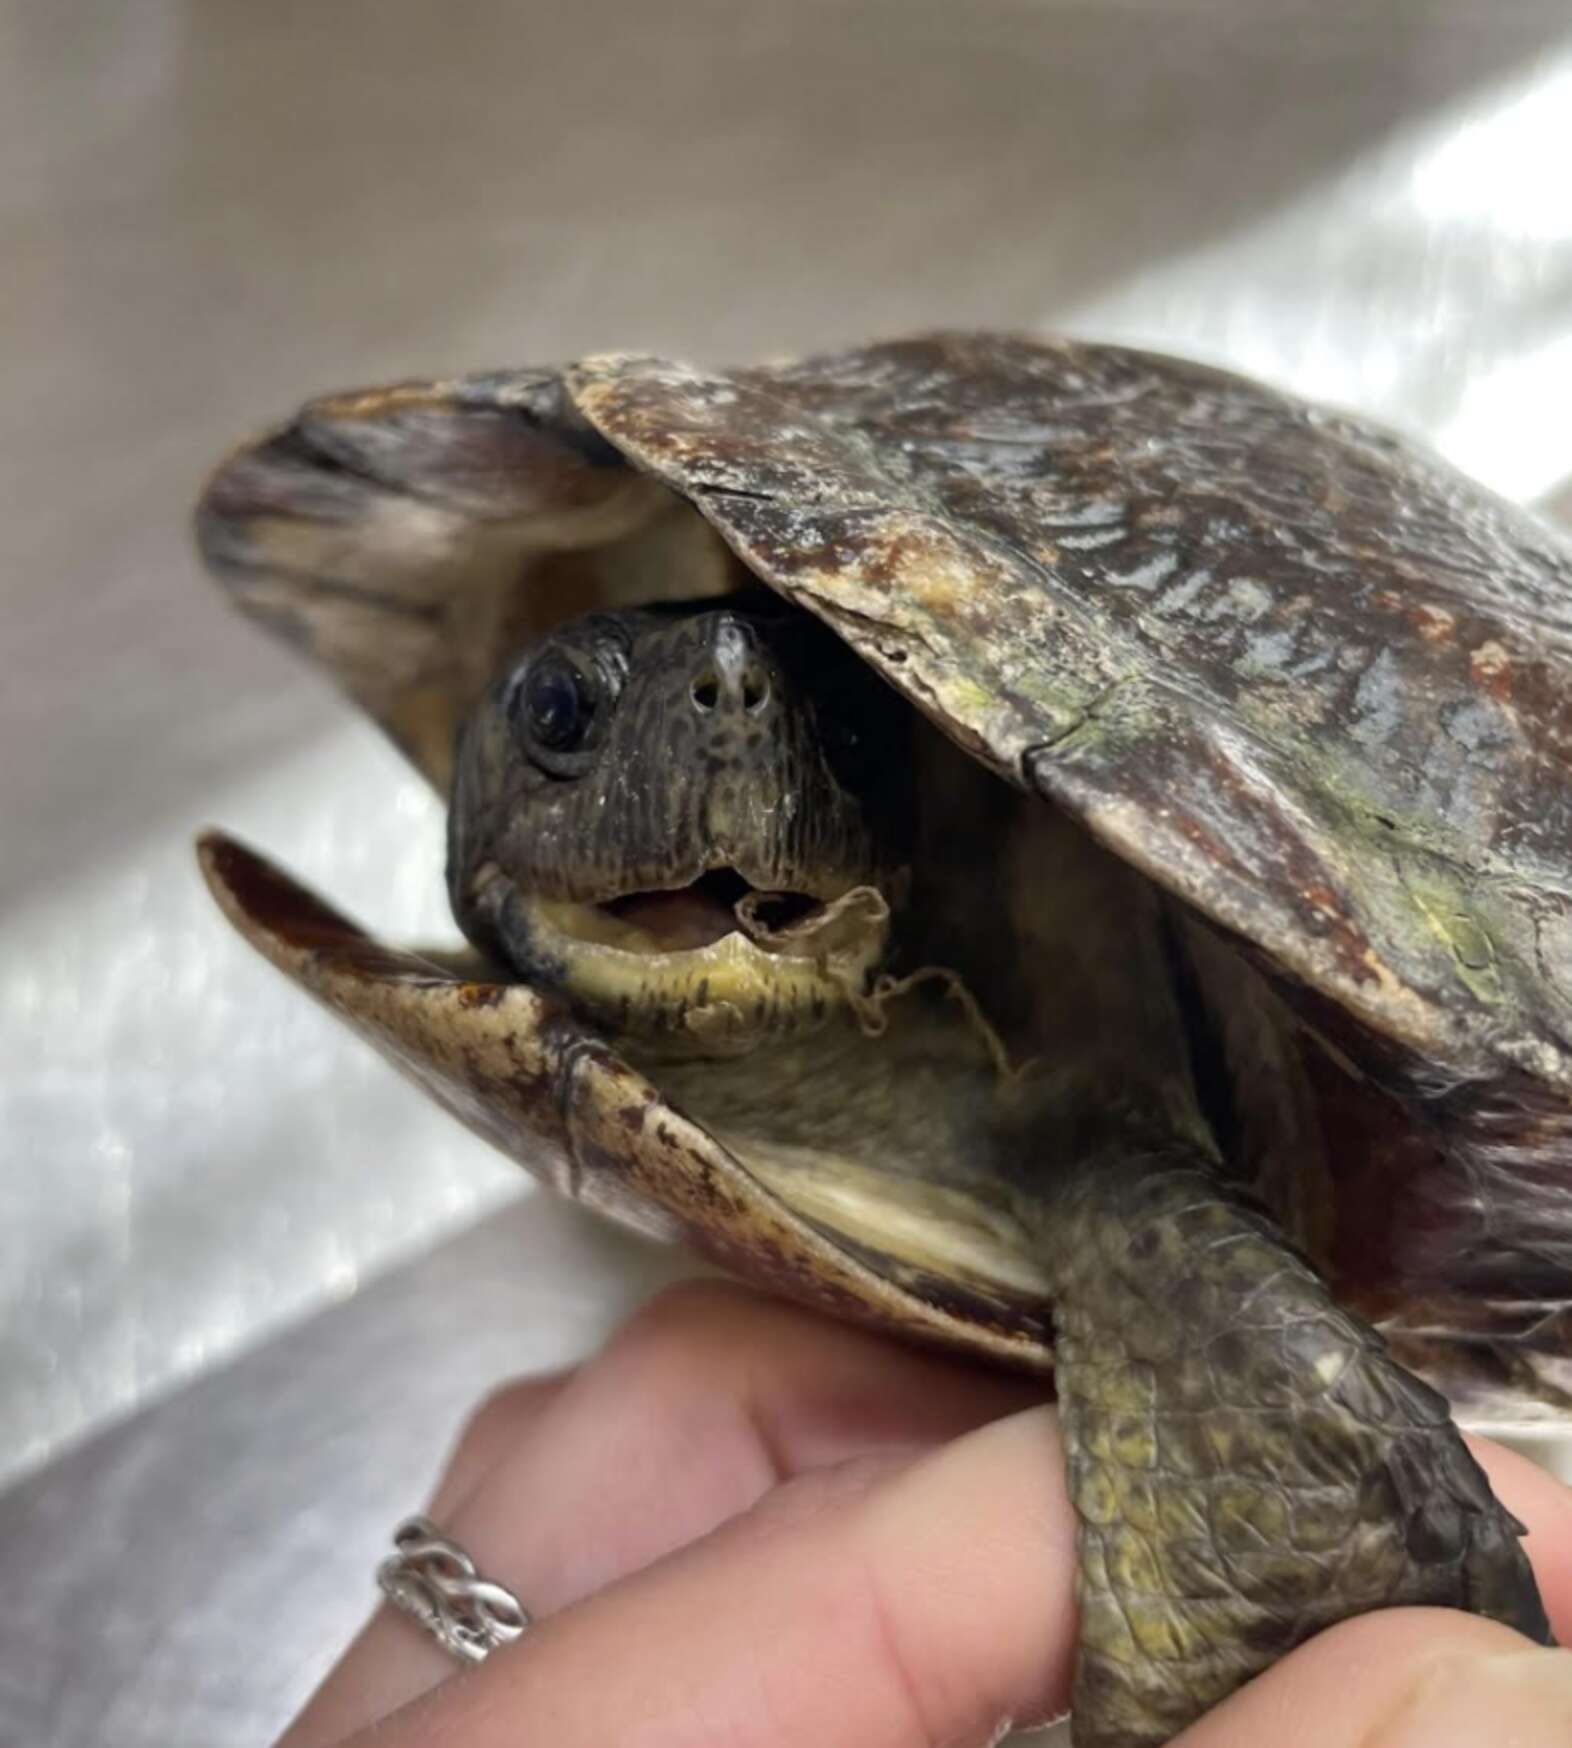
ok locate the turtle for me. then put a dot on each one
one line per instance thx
(1047, 848)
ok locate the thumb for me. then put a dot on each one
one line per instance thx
(1404, 1678)
(875, 1606)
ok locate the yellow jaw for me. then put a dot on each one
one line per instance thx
(752, 984)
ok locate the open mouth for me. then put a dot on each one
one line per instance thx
(712, 967)
(717, 904)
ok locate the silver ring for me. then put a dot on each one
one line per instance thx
(435, 1582)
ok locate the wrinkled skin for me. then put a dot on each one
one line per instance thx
(672, 762)
(1248, 1462)
(694, 741)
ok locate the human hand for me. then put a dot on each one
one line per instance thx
(744, 1526)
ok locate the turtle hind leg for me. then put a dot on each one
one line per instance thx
(1247, 1462)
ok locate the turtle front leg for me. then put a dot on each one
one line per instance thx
(1247, 1462)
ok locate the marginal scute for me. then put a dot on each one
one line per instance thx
(409, 539)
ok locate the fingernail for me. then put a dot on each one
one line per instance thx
(1519, 1697)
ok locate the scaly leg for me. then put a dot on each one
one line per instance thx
(1247, 1462)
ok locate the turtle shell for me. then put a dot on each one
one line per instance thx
(1312, 683)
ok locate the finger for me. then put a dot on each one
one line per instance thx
(702, 1404)
(928, 1603)
(496, 1429)
(387, 1664)
(867, 1605)
(698, 1407)
(1406, 1678)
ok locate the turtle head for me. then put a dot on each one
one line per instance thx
(689, 822)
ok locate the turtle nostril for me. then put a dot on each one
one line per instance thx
(755, 690)
(705, 692)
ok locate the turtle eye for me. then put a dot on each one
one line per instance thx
(554, 707)
(558, 710)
